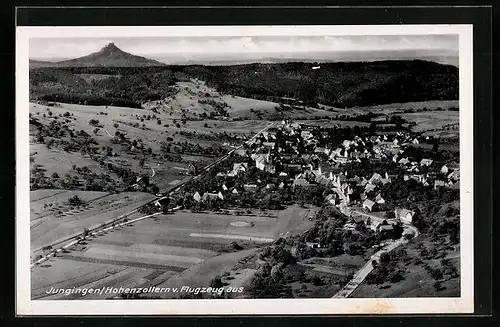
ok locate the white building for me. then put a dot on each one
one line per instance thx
(405, 215)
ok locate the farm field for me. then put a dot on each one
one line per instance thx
(431, 105)
(47, 202)
(430, 120)
(170, 250)
(56, 226)
(294, 219)
(329, 123)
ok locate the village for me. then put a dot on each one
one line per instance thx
(294, 157)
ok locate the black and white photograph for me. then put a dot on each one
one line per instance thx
(237, 166)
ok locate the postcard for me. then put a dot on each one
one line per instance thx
(223, 170)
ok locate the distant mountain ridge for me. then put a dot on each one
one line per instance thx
(108, 56)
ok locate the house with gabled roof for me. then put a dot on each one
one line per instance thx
(439, 183)
(212, 196)
(240, 166)
(270, 186)
(368, 205)
(444, 169)
(454, 175)
(379, 199)
(369, 188)
(375, 178)
(250, 187)
(426, 162)
(331, 198)
(301, 182)
(404, 161)
(323, 180)
(385, 230)
(320, 150)
(405, 215)
(197, 197)
(269, 145)
(241, 152)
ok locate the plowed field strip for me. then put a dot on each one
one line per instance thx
(154, 274)
(104, 282)
(73, 282)
(173, 250)
(100, 240)
(123, 263)
(120, 253)
(232, 237)
(159, 279)
(201, 243)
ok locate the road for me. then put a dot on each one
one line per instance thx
(115, 222)
(67, 246)
(361, 274)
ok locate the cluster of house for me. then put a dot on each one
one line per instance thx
(299, 162)
(376, 147)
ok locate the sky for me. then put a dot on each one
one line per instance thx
(189, 50)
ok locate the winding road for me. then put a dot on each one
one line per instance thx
(361, 274)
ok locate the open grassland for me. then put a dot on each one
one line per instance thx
(60, 162)
(48, 202)
(57, 226)
(195, 99)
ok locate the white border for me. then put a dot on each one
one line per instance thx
(24, 304)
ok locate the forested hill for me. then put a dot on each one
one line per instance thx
(340, 84)
(336, 84)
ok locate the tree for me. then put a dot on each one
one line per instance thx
(93, 122)
(409, 236)
(115, 125)
(85, 233)
(75, 201)
(438, 286)
(390, 214)
(385, 257)
(435, 145)
(216, 282)
(317, 281)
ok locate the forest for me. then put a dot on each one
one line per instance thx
(336, 84)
